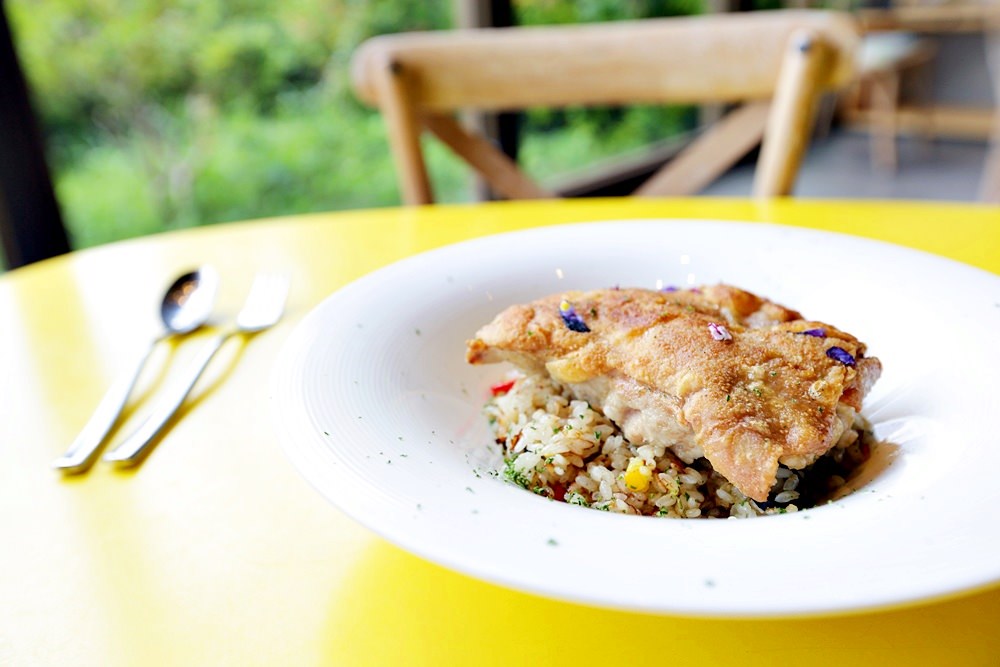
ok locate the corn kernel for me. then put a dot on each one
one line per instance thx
(637, 475)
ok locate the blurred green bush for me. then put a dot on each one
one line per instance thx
(163, 114)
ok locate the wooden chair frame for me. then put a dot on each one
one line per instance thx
(778, 63)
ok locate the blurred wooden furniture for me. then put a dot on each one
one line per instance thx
(886, 57)
(31, 226)
(940, 16)
(419, 81)
(922, 18)
(989, 185)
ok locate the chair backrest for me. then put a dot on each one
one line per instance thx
(778, 62)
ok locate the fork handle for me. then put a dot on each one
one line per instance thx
(83, 451)
(131, 450)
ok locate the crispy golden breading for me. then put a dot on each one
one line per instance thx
(715, 372)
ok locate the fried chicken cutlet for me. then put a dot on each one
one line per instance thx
(716, 372)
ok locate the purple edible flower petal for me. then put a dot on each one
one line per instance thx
(695, 290)
(719, 332)
(571, 319)
(841, 355)
(816, 333)
(669, 288)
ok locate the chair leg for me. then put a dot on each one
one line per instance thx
(884, 102)
(989, 187)
(404, 129)
(791, 119)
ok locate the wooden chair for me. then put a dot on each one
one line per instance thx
(777, 62)
(885, 58)
(989, 187)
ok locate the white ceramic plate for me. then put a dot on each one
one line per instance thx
(377, 408)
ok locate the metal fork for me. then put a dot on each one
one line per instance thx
(263, 308)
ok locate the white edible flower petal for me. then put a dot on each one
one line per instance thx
(719, 332)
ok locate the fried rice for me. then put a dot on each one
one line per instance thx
(566, 450)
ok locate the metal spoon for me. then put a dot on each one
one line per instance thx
(185, 307)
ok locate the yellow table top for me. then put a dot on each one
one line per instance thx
(215, 551)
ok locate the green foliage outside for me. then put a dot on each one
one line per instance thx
(164, 114)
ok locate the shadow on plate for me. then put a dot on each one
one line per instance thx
(881, 458)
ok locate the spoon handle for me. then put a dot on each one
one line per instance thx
(131, 450)
(82, 453)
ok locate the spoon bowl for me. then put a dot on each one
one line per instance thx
(187, 303)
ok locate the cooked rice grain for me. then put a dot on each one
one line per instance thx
(566, 450)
